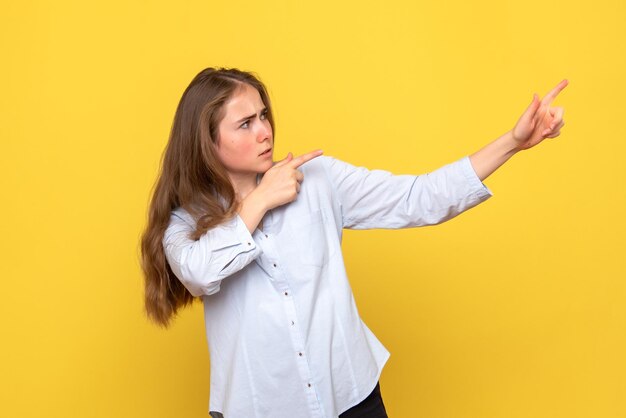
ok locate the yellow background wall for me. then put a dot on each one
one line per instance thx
(514, 309)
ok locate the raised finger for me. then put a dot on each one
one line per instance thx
(299, 176)
(549, 98)
(298, 161)
(284, 161)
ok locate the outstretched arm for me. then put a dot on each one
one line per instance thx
(539, 121)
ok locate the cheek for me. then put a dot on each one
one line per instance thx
(233, 151)
(244, 148)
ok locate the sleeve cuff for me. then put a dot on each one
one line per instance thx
(477, 186)
(243, 235)
(243, 248)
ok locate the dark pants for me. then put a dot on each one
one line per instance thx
(371, 407)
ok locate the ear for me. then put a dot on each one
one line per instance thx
(215, 142)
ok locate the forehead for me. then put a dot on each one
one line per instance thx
(245, 101)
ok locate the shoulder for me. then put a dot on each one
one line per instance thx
(319, 170)
(323, 164)
(316, 162)
(180, 216)
(334, 169)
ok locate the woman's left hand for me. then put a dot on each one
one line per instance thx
(539, 121)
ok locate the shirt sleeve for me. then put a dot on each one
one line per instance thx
(201, 265)
(379, 199)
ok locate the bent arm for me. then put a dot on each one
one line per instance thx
(201, 265)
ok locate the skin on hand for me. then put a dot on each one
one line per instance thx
(539, 120)
(281, 183)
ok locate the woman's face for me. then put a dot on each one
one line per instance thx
(245, 144)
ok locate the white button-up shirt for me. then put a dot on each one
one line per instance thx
(284, 334)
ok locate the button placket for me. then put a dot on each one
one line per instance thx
(286, 294)
(272, 265)
(298, 344)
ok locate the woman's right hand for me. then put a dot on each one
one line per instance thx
(281, 183)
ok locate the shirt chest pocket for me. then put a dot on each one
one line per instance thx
(310, 240)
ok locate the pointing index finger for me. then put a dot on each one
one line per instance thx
(298, 161)
(554, 92)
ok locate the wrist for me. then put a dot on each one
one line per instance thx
(509, 144)
(252, 210)
(255, 201)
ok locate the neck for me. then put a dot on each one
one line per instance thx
(243, 184)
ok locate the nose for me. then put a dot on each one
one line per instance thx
(265, 132)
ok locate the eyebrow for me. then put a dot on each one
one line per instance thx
(251, 116)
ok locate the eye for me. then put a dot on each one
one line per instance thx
(264, 115)
(245, 124)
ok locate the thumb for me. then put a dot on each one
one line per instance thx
(534, 105)
(288, 158)
(530, 111)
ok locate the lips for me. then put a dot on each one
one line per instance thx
(265, 152)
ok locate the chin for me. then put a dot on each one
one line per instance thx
(266, 166)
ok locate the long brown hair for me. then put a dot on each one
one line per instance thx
(191, 177)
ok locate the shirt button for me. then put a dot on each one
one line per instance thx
(274, 264)
(249, 244)
(286, 293)
(266, 236)
(293, 323)
(300, 354)
(308, 384)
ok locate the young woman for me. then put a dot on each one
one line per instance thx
(260, 242)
